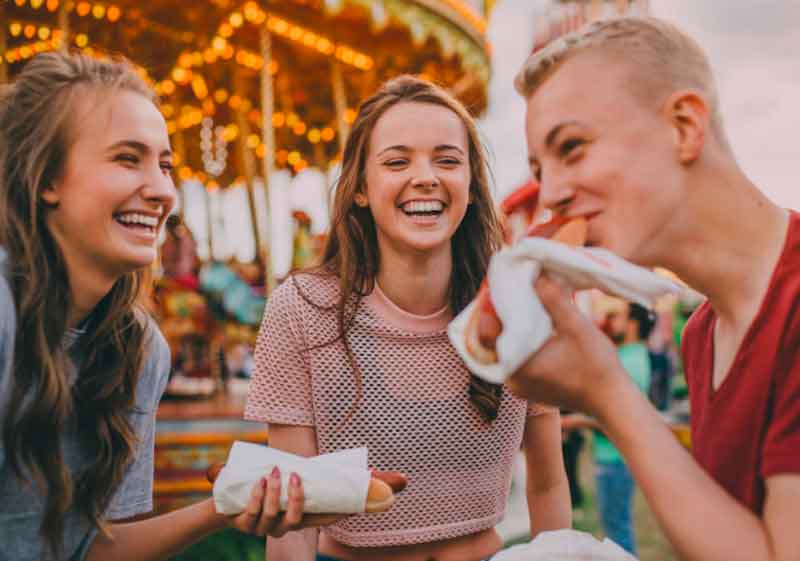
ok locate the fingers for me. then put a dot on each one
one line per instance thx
(249, 519)
(293, 517)
(557, 300)
(272, 503)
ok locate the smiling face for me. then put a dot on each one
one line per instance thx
(599, 151)
(417, 177)
(115, 190)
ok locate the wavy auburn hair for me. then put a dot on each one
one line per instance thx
(37, 129)
(351, 252)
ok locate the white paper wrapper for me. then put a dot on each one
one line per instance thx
(565, 545)
(526, 325)
(332, 483)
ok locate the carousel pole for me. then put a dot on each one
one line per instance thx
(268, 139)
(209, 223)
(339, 102)
(63, 25)
(248, 163)
(179, 147)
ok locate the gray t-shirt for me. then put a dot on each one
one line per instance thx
(21, 505)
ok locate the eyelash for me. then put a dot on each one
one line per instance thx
(445, 161)
(127, 158)
(568, 146)
(166, 167)
(564, 150)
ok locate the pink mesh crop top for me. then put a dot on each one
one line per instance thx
(415, 415)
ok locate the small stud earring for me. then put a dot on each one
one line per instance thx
(361, 200)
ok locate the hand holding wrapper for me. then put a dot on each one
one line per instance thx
(525, 324)
(333, 483)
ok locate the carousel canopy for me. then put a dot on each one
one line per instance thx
(210, 61)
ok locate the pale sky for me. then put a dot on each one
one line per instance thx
(754, 46)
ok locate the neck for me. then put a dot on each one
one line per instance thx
(418, 284)
(730, 238)
(87, 287)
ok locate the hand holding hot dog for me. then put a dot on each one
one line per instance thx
(263, 517)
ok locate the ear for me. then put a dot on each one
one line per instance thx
(49, 196)
(689, 113)
(361, 200)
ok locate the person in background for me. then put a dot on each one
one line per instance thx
(571, 446)
(662, 361)
(179, 253)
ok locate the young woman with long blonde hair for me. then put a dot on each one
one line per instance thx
(85, 187)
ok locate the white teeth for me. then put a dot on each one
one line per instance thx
(135, 218)
(423, 206)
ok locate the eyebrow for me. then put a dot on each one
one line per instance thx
(140, 147)
(438, 148)
(551, 136)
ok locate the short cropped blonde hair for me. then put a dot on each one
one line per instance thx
(662, 59)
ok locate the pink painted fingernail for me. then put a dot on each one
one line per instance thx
(294, 479)
(263, 482)
(276, 473)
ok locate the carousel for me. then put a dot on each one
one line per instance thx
(254, 93)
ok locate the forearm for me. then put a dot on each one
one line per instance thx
(294, 546)
(549, 509)
(547, 488)
(160, 537)
(701, 520)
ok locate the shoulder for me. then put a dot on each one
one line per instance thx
(156, 361)
(8, 313)
(306, 291)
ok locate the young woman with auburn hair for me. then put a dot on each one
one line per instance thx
(355, 353)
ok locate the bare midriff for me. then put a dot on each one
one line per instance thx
(473, 547)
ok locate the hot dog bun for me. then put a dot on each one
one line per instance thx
(474, 334)
(380, 494)
(484, 326)
(573, 232)
(380, 497)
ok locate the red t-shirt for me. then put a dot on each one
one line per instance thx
(749, 428)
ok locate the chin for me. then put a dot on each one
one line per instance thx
(135, 261)
(427, 245)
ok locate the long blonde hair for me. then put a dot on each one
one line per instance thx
(351, 251)
(36, 132)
